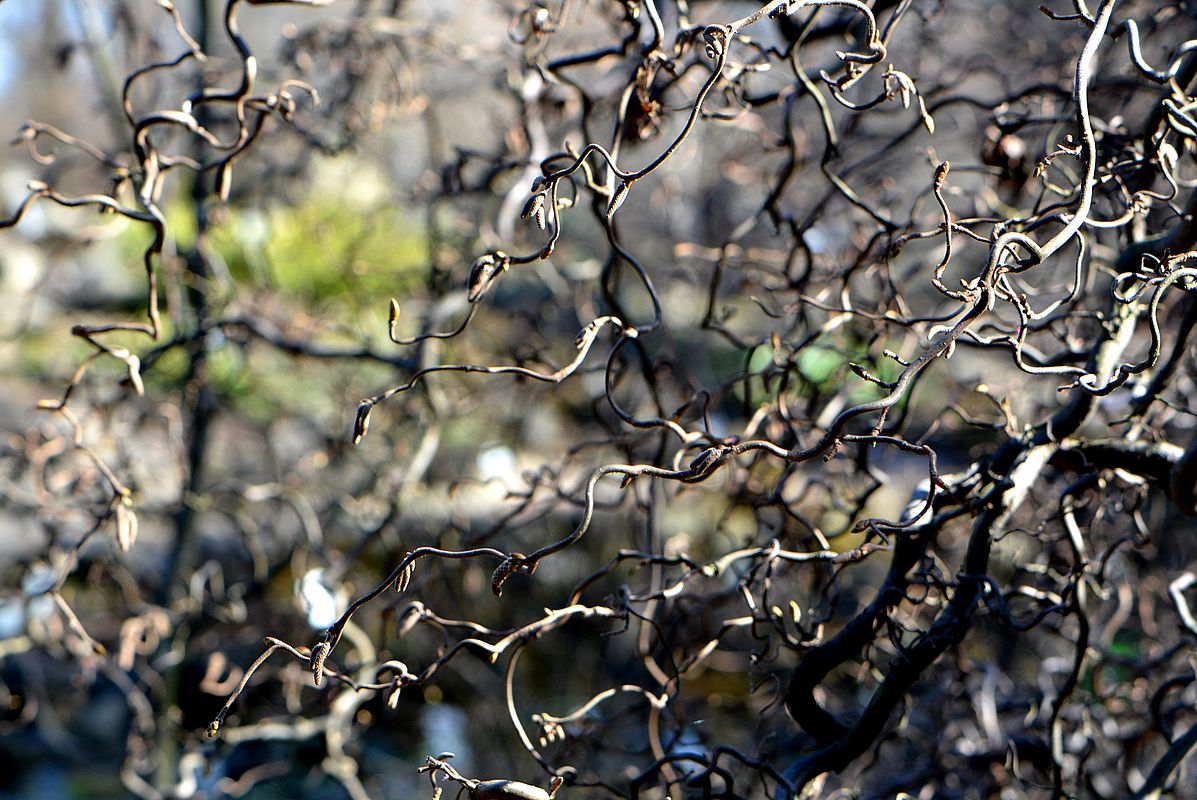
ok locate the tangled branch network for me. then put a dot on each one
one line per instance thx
(870, 471)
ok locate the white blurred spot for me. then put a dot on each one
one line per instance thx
(497, 462)
(319, 603)
(38, 579)
(816, 240)
(12, 618)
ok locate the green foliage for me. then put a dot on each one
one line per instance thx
(324, 251)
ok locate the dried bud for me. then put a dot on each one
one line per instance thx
(401, 583)
(319, 653)
(483, 272)
(515, 562)
(1168, 156)
(224, 181)
(587, 333)
(410, 618)
(906, 88)
(134, 364)
(928, 120)
(501, 574)
(715, 37)
(704, 460)
(361, 423)
(393, 319)
(941, 174)
(508, 790)
(535, 205)
(621, 194)
(126, 526)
